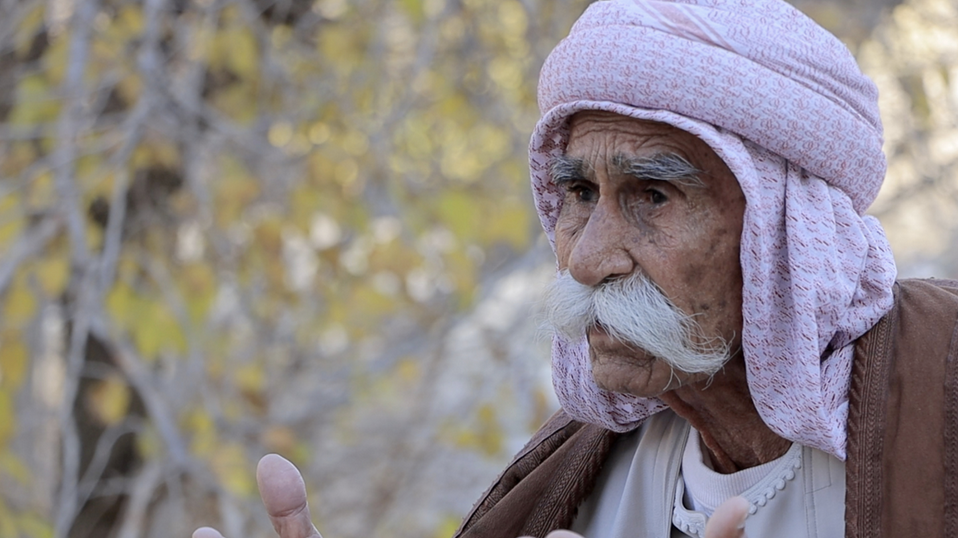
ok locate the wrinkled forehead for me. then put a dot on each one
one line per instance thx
(551, 137)
(617, 142)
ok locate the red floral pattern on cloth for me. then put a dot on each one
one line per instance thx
(784, 104)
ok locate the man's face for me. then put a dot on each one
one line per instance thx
(618, 218)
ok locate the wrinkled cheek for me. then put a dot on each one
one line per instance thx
(609, 377)
(565, 237)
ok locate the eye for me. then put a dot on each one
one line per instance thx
(656, 197)
(581, 191)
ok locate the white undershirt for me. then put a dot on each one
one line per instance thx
(641, 491)
(706, 489)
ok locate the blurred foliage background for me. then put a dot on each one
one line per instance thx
(233, 227)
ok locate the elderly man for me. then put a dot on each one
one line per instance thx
(728, 324)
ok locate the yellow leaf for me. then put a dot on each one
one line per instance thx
(156, 330)
(148, 443)
(238, 50)
(8, 528)
(230, 465)
(42, 193)
(55, 60)
(269, 235)
(459, 211)
(234, 190)
(280, 134)
(238, 102)
(94, 236)
(448, 526)
(490, 432)
(53, 274)
(509, 224)
(14, 359)
(249, 377)
(8, 417)
(130, 18)
(35, 102)
(130, 87)
(486, 435)
(27, 29)
(512, 17)
(304, 200)
(302, 453)
(368, 305)
(121, 304)
(204, 439)
(408, 370)
(11, 222)
(13, 467)
(337, 44)
(20, 305)
(198, 283)
(414, 8)
(35, 526)
(109, 400)
(159, 152)
(461, 268)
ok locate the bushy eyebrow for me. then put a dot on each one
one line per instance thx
(659, 167)
(565, 169)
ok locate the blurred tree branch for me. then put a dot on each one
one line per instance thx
(232, 227)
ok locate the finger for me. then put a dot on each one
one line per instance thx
(728, 521)
(207, 532)
(563, 534)
(284, 495)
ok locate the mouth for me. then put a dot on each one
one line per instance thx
(603, 343)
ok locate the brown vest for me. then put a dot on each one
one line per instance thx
(902, 467)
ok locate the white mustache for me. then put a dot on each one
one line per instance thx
(633, 310)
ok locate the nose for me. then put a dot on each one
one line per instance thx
(599, 253)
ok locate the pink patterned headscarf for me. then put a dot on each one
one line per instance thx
(784, 104)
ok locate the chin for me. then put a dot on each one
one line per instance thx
(643, 381)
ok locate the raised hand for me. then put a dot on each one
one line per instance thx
(283, 491)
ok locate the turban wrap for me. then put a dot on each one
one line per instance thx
(784, 104)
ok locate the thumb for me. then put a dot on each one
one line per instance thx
(284, 494)
(728, 521)
(559, 534)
